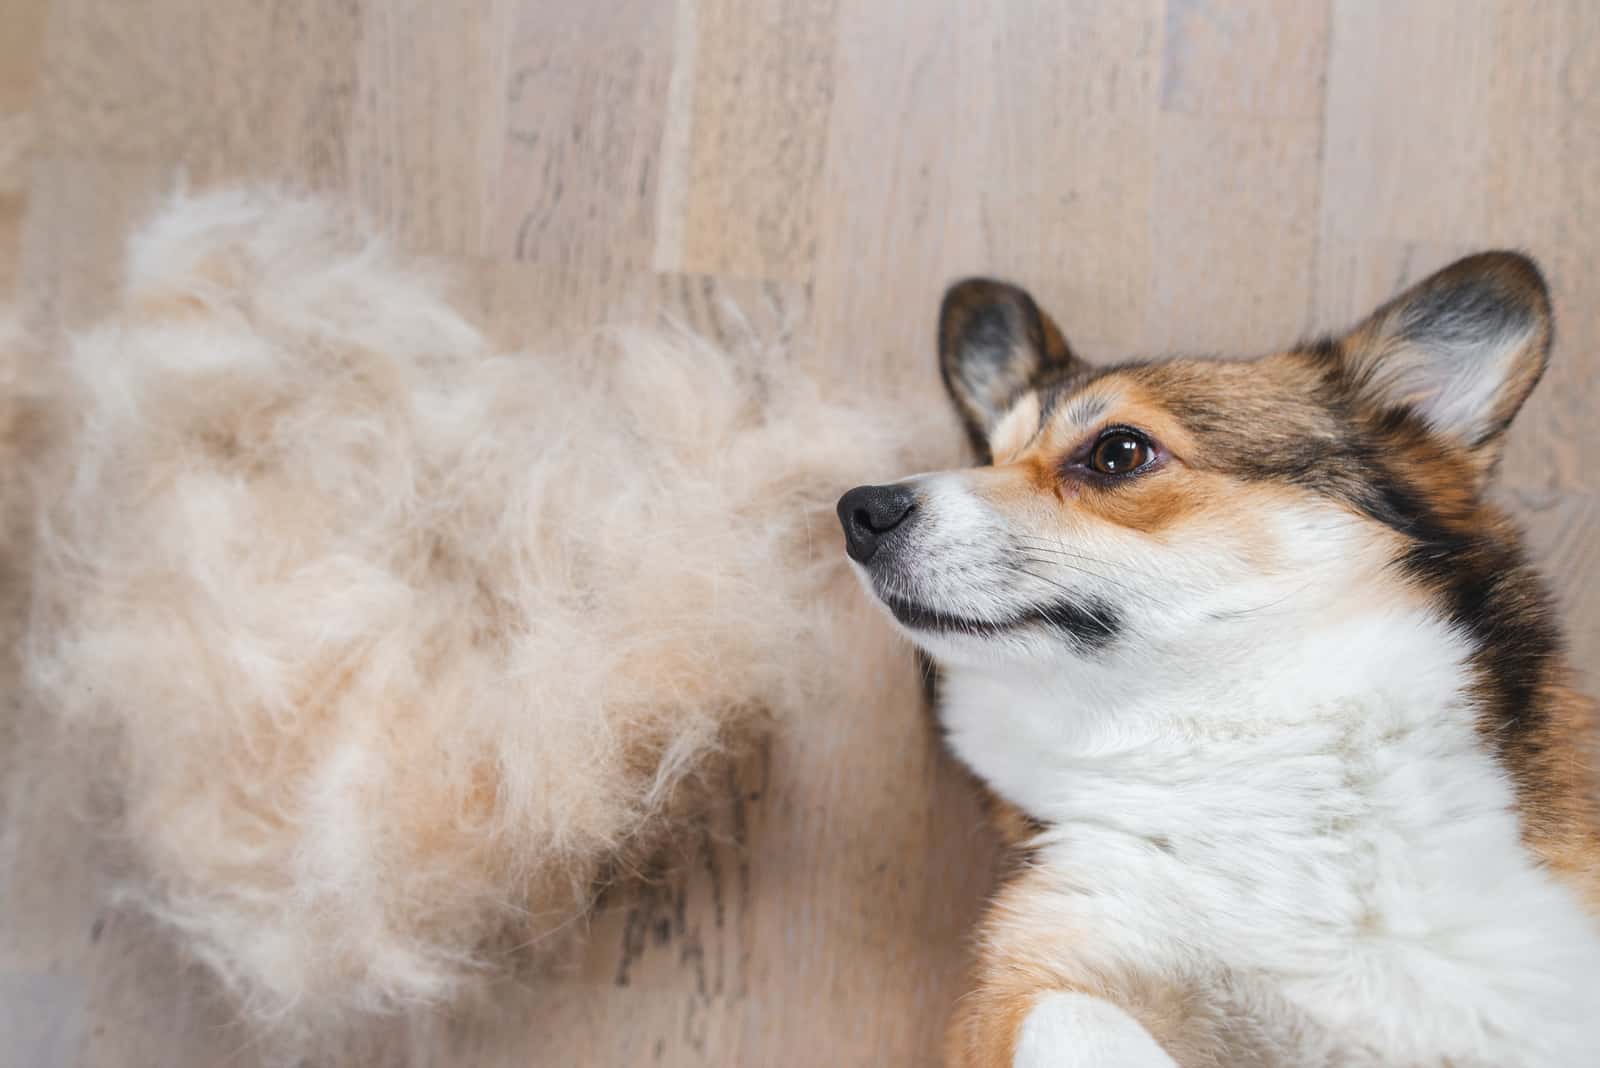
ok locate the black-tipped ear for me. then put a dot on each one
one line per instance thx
(994, 345)
(1463, 348)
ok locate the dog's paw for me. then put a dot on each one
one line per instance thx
(1068, 1030)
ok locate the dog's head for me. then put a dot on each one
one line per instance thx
(1154, 512)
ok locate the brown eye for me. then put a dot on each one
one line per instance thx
(1120, 452)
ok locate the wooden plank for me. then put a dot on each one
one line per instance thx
(1234, 200)
(763, 77)
(1233, 234)
(21, 57)
(1064, 160)
(1017, 141)
(41, 1017)
(1405, 146)
(893, 221)
(227, 88)
(80, 211)
(1263, 58)
(586, 95)
(429, 121)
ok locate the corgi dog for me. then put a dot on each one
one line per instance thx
(1266, 687)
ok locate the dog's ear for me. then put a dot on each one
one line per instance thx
(994, 345)
(1462, 349)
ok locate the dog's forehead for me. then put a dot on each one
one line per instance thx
(1054, 415)
(1082, 405)
(1073, 407)
(1184, 401)
(1197, 392)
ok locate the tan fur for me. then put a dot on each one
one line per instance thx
(1016, 430)
(376, 646)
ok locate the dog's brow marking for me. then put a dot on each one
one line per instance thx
(1085, 410)
(1047, 407)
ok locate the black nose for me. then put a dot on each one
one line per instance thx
(870, 512)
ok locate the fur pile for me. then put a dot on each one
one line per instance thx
(384, 645)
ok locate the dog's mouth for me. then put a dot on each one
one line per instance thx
(1092, 625)
(921, 617)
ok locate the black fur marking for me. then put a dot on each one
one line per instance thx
(1489, 591)
(1090, 627)
(1468, 312)
(1491, 594)
(1057, 384)
(1324, 350)
(990, 338)
(994, 364)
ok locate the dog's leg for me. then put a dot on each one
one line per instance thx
(1034, 1003)
(1049, 1029)
(1071, 1030)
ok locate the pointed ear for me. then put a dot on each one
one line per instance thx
(994, 345)
(1463, 348)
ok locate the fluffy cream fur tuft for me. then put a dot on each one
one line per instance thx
(386, 644)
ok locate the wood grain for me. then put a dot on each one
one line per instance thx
(1165, 174)
(1215, 179)
(1067, 157)
(424, 162)
(763, 78)
(1286, 45)
(21, 56)
(586, 92)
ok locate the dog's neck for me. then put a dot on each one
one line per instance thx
(1024, 727)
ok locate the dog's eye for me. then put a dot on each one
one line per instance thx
(1120, 452)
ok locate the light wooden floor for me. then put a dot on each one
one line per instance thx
(1191, 174)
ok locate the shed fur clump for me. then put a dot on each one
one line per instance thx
(382, 644)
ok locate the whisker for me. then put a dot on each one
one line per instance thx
(1032, 545)
(1065, 554)
(1056, 547)
(1086, 571)
(1064, 588)
(1242, 612)
(1077, 602)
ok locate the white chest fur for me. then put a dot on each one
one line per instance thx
(1332, 846)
